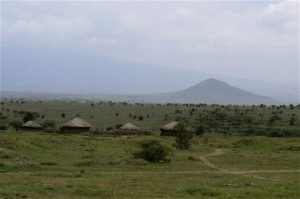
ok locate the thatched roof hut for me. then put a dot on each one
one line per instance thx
(76, 125)
(31, 125)
(170, 129)
(130, 126)
(170, 126)
(129, 129)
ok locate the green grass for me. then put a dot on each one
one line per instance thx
(103, 114)
(40, 165)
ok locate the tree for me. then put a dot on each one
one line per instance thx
(28, 116)
(49, 126)
(118, 126)
(200, 131)
(16, 124)
(153, 151)
(183, 138)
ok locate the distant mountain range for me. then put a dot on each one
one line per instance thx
(210, 91)
(213, 91)
(85, 75)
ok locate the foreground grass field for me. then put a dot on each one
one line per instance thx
(40, 165)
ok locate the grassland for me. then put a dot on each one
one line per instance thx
(214, 118)
(218, 165)
(40, 165)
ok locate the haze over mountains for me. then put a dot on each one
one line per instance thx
(62, 72)
(215, 91)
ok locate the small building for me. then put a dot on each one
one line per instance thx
(170, 129)
(31, 125)
(129, 129)
(76, 125)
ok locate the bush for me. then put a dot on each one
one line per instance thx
(118, 126)
(283, 134)
(245, 142)
(153, 151)
(49, 126)
(49, 163)
(3, 124)
(200, 131)
(29, 116)
(183, 138)
(16, 124)
(109, 128)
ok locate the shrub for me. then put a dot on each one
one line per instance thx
(153, 151)
(118, 126)
(200, 131)
(49, 126)
(183, 138)
(29, 116)
(109, 128)
(3, 124)
(245, 142)
(16, 124)
(84, 163)
(291, 148)
(49, 163)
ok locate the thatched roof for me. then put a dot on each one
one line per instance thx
(77, 122)
(190, 129)
(129, 126)
(170, 126)
(31, 124)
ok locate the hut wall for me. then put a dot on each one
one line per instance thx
(129, 132)
(26, 128)
(74, 129)
(167, 133)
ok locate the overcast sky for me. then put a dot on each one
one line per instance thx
(253, 40)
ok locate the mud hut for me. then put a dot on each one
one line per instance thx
(31, 125)
(76, 125)
(170, 129)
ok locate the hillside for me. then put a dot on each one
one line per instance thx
(210, 91)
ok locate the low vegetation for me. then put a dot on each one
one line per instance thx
(235, 152)
(272, 121)
(153, 151)
(51, 165)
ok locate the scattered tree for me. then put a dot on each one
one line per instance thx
(200, 131)
(153, 151)
(16, 124)
(29, 116)
(49, 126)
(183, 138)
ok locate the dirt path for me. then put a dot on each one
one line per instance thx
(218, 152)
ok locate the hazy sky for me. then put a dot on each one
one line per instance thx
(254, 39)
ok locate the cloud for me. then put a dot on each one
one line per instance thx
(218, 37)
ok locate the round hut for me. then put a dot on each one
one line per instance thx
(76, 125)
(31, 125)
(170, 129)
(129, 128)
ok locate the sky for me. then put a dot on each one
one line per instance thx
(256, 40)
